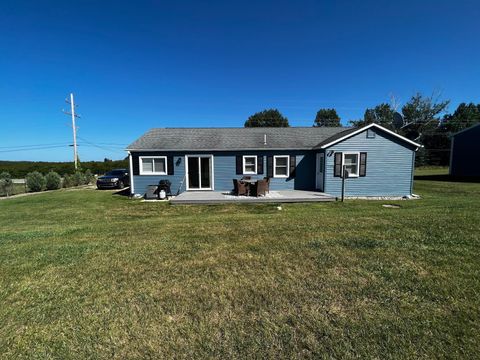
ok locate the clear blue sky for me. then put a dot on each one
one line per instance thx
(134, 65)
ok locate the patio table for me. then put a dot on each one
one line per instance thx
(248, 183)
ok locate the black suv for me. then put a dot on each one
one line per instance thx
(116, 178)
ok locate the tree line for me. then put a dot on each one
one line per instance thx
(423, 119)
(19, 169)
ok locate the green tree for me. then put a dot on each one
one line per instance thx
(327, 118)
(267, 118)
(422, 124)
(465, 115)
(6, 183)
(356, 123)
(89, 178)
(381, 114)
(422, 114)
(68, 180)
(35, 181)
(78, 178)
(53, 181)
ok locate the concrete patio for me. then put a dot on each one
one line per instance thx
(281, 196)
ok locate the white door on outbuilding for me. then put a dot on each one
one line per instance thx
(320, 170)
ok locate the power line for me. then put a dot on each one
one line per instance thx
(34, 148)
(100, 146)
(48, 147)
(119, 144)
(33, 145)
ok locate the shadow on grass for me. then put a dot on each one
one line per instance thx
(123, 192)
(449, 178)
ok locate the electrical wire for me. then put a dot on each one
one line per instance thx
(33, 145)
(17, 148)
(100, 146)
(34, 148)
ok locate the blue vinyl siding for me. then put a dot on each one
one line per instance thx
(465, 149)
(389, 166)
(224, 168)
(141, 182)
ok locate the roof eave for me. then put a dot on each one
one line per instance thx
(239, 149)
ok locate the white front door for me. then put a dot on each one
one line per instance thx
(320, 169)
(199, 172)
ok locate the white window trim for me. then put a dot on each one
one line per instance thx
(212, 172)
(358, 163)
(256, 165)
(275, 157)
(140, 164)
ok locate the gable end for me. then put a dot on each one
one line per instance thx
(348, 134)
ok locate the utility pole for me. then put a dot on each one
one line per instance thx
(74, 127)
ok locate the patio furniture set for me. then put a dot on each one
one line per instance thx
(246, 186)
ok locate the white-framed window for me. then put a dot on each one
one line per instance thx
(351, 162)
(281, 166)
(249, 164)
(153, 165)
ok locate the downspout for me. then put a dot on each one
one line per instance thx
(132, 189)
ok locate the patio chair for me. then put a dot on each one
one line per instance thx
(243, 188)
(260, 188)
(235, 187)
(239, 187)
(267, 179)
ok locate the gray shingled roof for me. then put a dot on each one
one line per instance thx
(233, 138)
(338, 135)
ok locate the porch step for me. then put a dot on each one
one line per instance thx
(283, 196)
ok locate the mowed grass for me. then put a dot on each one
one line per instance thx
(86, 274)
(431, 171)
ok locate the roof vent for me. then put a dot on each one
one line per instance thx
(264, 139)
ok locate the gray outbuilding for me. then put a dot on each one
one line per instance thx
(465, 153)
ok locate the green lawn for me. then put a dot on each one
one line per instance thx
(431, 171)
(84, 274)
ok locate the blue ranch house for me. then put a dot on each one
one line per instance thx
(379, 161)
